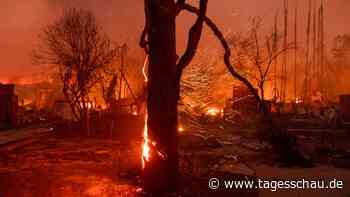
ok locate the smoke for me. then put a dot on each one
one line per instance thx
(122, 20)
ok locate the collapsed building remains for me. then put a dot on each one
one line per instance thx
(8, 106)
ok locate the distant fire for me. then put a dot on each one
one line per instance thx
(22, 80)
(298, 100)
(89, 105)
(213, 111)
(180, 129)
(26, 101)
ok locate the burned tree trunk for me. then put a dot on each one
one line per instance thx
(161, 168)
(160, 172)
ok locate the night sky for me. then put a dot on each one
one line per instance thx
(122, 20)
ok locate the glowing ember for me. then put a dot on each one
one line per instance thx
(298, 100)
(89, 105)
(180, 129)
(145, 147)
(213, 111)
(139, 190)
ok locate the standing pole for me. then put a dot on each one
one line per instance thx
(284, 81)
(295, 50)
(275, 39)
(121, 91)
(307, 63)
(314, 42)
(323, 69)
(318, 51)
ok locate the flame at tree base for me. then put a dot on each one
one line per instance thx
(145, 147)
(147, 143)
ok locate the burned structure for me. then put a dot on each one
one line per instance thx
(344, 106)
(8, 106)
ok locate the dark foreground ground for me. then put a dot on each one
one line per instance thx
(35, 162)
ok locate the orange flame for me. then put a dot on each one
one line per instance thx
(144, 69)
(146, 149)
(212, 111)
(145, 146)
(298, 100)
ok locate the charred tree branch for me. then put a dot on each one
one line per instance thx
(179, 4)
(193, 39)
(143, 40)
(227, 50)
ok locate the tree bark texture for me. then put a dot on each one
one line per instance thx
(160, 173)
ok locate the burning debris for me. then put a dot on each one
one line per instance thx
(181, 129)
(213, 111)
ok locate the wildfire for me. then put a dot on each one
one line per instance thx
(146, 149)
(298, 100)
(180, 129)
(144, 69)
(213, 111)
(89, 105)
(145, 146)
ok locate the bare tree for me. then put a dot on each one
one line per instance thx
(256, 52)
(76, 45)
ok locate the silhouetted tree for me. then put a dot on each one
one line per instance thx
(165, 71)
(255, 53)
(76, 45)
